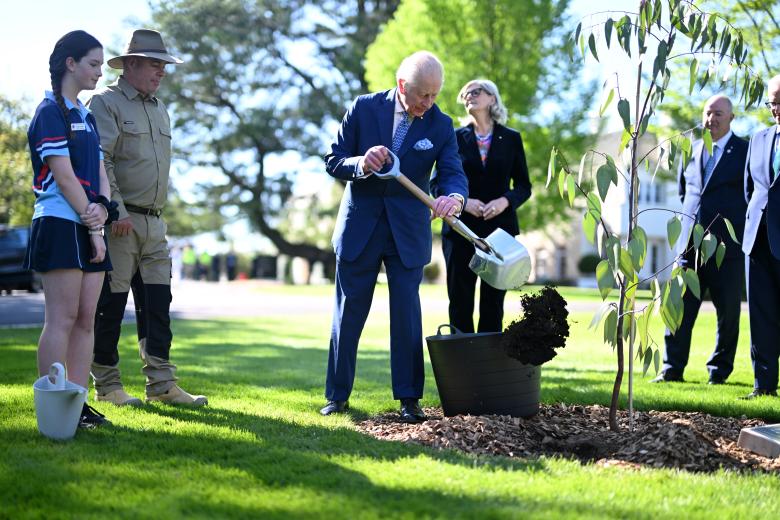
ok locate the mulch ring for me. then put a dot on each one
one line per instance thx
(682, 440)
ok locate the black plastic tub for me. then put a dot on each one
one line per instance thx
(475, 376)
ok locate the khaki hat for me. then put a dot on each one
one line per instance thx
(145, 43)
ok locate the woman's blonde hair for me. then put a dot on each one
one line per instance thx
(498, 112)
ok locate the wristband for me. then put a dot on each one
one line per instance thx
(97, 231)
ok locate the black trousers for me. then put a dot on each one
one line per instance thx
(152, 315)
(725, 286)
(764, 304)
(461, 288)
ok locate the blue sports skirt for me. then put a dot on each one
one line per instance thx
(58, 243)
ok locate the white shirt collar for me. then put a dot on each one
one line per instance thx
(721, 143)
(399, 108)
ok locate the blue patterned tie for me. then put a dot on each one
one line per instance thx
(776, 162)
(709, 166)
(400, 132)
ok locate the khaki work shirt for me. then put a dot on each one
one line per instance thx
(135, 133)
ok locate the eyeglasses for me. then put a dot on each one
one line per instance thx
(473, 92)
(771, 105)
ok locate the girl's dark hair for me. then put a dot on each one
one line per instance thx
(75, 44)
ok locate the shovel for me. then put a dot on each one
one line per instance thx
(500, 260)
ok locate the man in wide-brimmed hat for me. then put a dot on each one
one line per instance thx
(135, 134)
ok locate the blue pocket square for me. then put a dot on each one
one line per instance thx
(423, 144)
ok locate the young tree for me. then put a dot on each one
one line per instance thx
(261, 91)
(655, 39)
(521, 46)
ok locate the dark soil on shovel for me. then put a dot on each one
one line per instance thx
(688, 441)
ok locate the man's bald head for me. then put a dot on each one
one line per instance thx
(717, 115)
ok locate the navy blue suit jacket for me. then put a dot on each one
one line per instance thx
(722, 195)
(430, 140)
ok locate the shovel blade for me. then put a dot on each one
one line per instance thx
(508, 266)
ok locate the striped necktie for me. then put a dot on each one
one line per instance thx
(710, 166)
(400, 132)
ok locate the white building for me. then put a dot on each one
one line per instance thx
(556, 250)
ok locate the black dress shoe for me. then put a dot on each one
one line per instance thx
(663, 377)
(758, 392)
(411, 411)
(335, 407)
(715, 380)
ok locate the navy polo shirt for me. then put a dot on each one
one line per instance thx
(49, 134)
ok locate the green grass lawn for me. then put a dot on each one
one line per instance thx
(261, 450)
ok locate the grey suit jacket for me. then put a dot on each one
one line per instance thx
(757, 183)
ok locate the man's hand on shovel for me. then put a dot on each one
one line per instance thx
(445, 207)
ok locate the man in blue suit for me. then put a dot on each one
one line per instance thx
(381, 222)
(711, 190)
(762, 243)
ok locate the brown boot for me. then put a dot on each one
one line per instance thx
(119, 398)
(175, 395)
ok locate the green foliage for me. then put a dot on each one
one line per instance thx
(625, 250)
(518, 45)
(257, 99)
(759, 25)
(16, 196)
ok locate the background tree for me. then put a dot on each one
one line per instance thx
(261, 92)
(16, 196)
(653, 39)
(521, 46)
(759, 23)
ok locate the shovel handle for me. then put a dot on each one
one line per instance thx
(454, 222)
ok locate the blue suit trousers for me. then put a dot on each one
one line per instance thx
(355, 282)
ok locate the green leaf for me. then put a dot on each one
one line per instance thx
(603, 308)
(720, 254)
(561, 182)
(551, 166)
(698, 234)
(624, 139)
(648, 358)
(610, 328)
(606, 104)
(608, 30)
(604, 278)
(571, 189)
(692, 282)
(626, 265)
(592, 45)
(657, 360)
(707, 138)
(603, 179)
(582, 167)
(637, 251)
(730, 229)
(693, 74)
(589, 226)
(624, 109)
(640, 235)
(708, 245)
(577, 31)
(673, 230)
(594, 206)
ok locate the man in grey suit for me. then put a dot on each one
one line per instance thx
(762, 243)
(711, 190)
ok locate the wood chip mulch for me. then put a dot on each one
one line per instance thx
(695, 442)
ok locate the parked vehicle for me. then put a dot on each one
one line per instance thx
(13, 245)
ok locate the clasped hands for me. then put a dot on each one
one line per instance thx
(377, 156)
(487, 210)
(94, 217)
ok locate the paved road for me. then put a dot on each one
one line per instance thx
(202, 300)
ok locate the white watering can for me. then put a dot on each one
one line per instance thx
(58, 404)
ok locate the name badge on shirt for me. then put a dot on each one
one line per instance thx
(75, 127)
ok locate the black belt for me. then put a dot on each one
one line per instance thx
(143, 211)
